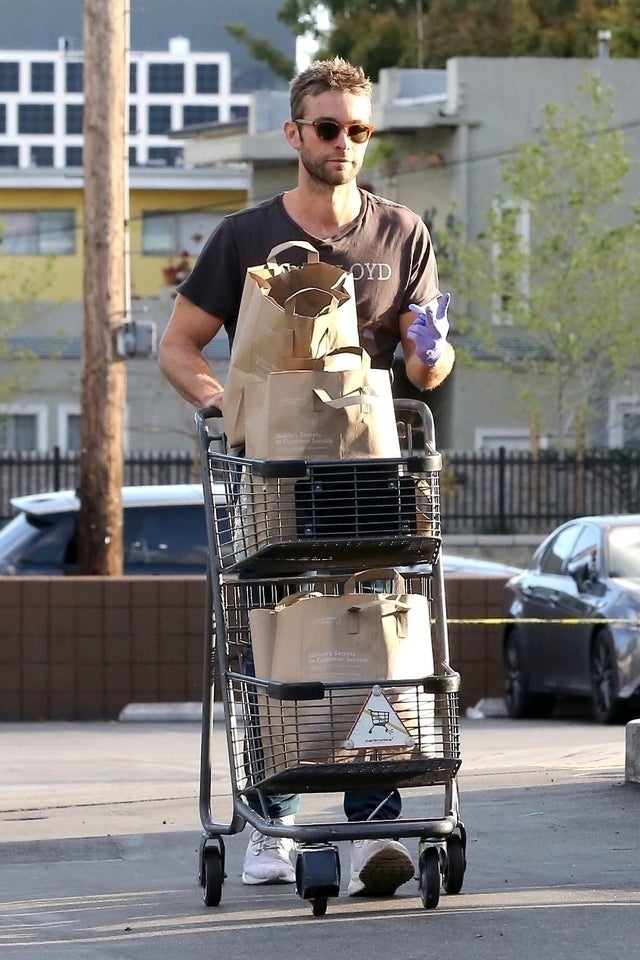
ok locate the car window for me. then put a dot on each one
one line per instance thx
(559, 550)
(169, 536)
(624, 551)
(45, 543)
(585, 549)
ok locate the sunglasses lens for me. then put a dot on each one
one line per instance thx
(328, 129)
(358, 132)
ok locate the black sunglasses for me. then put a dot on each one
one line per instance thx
(330, 129)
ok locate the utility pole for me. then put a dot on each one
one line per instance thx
(105, 286)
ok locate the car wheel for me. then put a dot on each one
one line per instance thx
(607, 707)
(519, 699)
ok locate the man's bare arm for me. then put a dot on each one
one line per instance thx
(422, 376)
(180, 353)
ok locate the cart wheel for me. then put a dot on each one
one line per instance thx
(455, 864)
(430, 878)
(318, 875)
(213, 875)
(319, 906)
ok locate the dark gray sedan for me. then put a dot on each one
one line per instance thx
(576, 621)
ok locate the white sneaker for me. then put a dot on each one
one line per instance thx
(378, 867)
(267, 858)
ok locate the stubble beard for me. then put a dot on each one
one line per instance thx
(324, 175)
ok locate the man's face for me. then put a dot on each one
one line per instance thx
(331, 162)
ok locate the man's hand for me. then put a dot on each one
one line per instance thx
(430, 328)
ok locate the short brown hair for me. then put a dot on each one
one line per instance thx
(323, 75)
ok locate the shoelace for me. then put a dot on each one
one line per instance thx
(260, 842)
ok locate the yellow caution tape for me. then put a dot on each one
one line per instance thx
(497, 621)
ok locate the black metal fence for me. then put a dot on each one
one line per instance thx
(34, 472)
(517, 492)
(500, 493)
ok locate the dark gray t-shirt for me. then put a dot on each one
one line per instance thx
(387, 248)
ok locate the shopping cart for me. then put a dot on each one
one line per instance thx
(274, 528)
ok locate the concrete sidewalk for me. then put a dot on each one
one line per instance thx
(99, 832)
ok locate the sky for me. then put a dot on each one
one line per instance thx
(37, 24)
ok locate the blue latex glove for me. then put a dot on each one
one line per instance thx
(430, 328)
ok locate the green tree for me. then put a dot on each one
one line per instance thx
(559, 262)
(18, 306)
(426, 33)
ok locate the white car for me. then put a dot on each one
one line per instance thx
(164, 532)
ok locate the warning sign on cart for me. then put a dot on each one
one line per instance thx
(378, 725)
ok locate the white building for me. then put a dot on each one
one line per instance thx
(41, 103)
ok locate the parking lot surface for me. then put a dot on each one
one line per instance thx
(99, 834)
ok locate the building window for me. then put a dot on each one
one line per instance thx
(35, 118)
(133, 157)
(73, 157)
(159, 119)
(69, 426)
(207, 78)
(166, 78)
(74, 76)
(41, 77)
(22, 427)
(9, 77)
(199, 114)
(3, 118)
(624, 422)
(239, 112)
(74, 113)
(164, 156)
(169, 233)
(41, 156)
(488, 439)
(133, 78)
(38, 231)
(9, 156)
(133, 119)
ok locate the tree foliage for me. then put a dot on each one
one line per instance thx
(425, 33)
(18, 306)
(569, 284)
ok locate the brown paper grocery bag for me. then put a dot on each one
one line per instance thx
(321, 414)
(348, 638)
(286, 312)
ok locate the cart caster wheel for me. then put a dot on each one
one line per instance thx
(213, 876)
(455, 863)
(318, 876)
(319, 906)
(430, 878)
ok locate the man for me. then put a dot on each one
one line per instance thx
(389, 251)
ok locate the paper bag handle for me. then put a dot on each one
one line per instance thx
(357, 399)
(376, 573)
(290, 302)
(313, 257)
(295, 597)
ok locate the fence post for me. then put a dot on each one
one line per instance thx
(56, 468)
(502, 486)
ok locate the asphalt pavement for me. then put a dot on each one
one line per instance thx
(99, 835)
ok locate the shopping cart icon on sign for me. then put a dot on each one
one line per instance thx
(379, 718)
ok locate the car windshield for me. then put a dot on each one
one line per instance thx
(624, 551)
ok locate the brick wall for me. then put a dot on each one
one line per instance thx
(79, 648)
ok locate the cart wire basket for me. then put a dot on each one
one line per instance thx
(295, 514)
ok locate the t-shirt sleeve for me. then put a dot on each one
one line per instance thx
(216, 281)
(423, 275)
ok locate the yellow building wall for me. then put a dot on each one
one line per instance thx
(59, 278)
